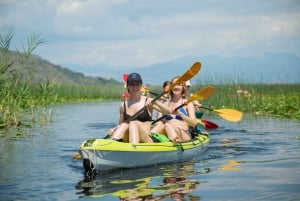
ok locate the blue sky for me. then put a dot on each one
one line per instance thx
(127, 34)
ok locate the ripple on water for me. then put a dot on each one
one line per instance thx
(255, 159)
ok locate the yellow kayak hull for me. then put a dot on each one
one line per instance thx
(105, 154)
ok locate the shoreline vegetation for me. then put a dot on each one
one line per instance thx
(23, 104)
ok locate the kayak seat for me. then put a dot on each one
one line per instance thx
(156, 137)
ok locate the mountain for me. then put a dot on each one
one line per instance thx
(267, 68)
(35, 70)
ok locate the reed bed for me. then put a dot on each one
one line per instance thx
(276, 100)
(88, 93)
(25, 105)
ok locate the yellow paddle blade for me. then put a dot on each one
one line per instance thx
(230, 114)
(76, 156)
(144, 89)
(189, 74)
(202, 94)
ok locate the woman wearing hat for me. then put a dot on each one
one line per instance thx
(137, 129)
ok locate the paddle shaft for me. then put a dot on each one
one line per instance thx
(142, 109)
(160, 118)
(190, 73)
(153, 93)
(207, 108)
(199, 95)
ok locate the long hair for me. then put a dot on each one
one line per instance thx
(184, 88)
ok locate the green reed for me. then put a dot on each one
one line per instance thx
(15, 97)
(22, 104)
(88, 93)
(277, 100)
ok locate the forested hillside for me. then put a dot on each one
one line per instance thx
(35, 70)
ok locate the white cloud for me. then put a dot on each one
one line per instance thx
(140, 33)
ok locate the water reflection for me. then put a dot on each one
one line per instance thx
(256, 159)
(174, 181)
(231, 165)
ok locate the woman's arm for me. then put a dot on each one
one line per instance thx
(121, 119)
(121, 115)
(191, 118)
(161, 107)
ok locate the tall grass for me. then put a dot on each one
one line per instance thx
(277, 100)
(22, 102)
(87, 93)
(17, 100)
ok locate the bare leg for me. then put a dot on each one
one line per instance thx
(139, 132)
(145, 131)
(176, 133)
(159, 128)
(184, 135)
(171, 132)
(120, 131)
(134, 136)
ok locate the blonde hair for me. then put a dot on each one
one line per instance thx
(184, 87)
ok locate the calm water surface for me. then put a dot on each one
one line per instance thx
(256, 159)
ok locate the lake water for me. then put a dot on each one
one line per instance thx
(255, 159)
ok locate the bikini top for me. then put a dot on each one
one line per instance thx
(143, 116)
(182, 110)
